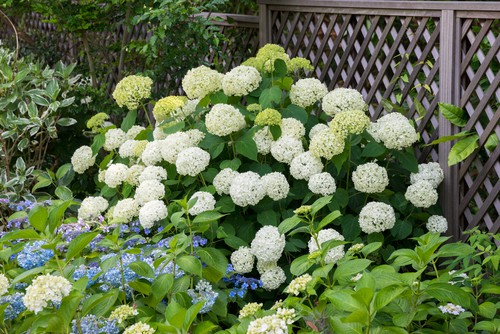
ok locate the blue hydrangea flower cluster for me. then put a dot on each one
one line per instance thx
(203, 293)
(15, 305)
(90, 324)
(33, 256)
(16, 223)
(70, 231)
(240, 282)
(90, 271)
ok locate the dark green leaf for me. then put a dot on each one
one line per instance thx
(449, 138)
(293, 111)
(190, 264)
(64, 193)
(142, 269)
(408, 160)
(100, 305)
(401, 229)
(270, 97)
(300, 265)
(78, 244)
(207, 217)
(288, 224)
(129, 120)
(213, 258)
(66, 121)
(373, 150)
(280, 69)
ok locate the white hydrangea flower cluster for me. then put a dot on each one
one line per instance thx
(114, 138)
(133, 174)
(45, 289)
(334, 254)
(370, 178)
(263, 139)
(394, 131)
(205, 201)
(249, 310)
(131, 90)
(272, 278)
(195, 136)
(92, 207)
(4, 284)
(134, 131)
(247, 189)
(152, 212)
(326, 143)
(437, 224)
(352, 122)
(317, 129)
(188, 109)
(121, 313)
(305, 165)
(287, 314)
(115, 175)
(139, 328)
(153, 173)
(276, 185)
(201, 81)
(224, 119)
(376, 217)
(242, 260)
(270, 324)
(342, 100)
(125, 210)
(241, 80)
(451, 309)
(298, 285)
(192, 161)
(158, 133)
(322, 184)
(152, 153)
(291, 127)
(149, 190)
(83, 158)
(306, 92)
(223, 180)
(268, 244)
(126, 149)
(431, 172)
(286, 148)
(421, 194)
(173, 144)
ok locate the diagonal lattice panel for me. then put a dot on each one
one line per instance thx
(480, 96)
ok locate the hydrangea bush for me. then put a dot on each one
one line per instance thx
(259, 203)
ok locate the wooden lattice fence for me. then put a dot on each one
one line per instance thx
(405, 50)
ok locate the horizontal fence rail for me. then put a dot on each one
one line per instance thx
(411, 50)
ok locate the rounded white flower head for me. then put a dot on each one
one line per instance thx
(131, 90)
(195, 136)
(268, 244)
(292, 127)
(370, 178)
(276, 185)
(152, 153)
(376, 217)
(192, 161)
(173, 144)
(153, 173)
(263, 266)
(395, 131)
(149, 190)
(305, 165)
(242, 260)
(152, 212)
(126, 210)
(286, 148)
(270, 324)
(352, 122)
(437, 224)
(298, 285)
(249, 310)
(421, 194)
(273, 278)
(224, 119)
(82, 159)
(205, 201)
(121, 313)
(241, 80)
(263, 139)
(431, 172)
(222, 181)
(451, 309)
(322, 184)
(306, 92)
(45, 289)
(342, 100)
(92, 207)
(115, 175)
(201, 81)
(326, 144)
(114, 138)
(133, 174)
(317, 129)
(126, 149)
(4, 284)
(334, 254)
(139, 328)
(247, 189)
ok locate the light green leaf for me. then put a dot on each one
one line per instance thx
(213, 258)
(462, 149)
(142, 269)
(454, 114)
(288, 224)
(64, 193)
(449, 138)
(190, 264)
(300, 265)
(270, 96)
(207, 217)
(66, 121)
(38, 217)
(78, 244)
(348, 269)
